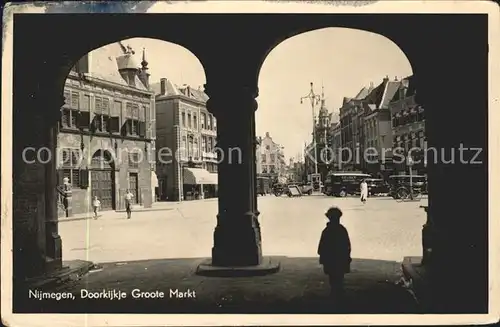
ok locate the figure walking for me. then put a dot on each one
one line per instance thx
(96, 204)
(335, 254)
(128, 203)
(364, 191)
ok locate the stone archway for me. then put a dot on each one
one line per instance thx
(103, 179)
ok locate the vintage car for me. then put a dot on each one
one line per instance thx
(396, 182)
(376, 186)
(293, 190)
(305, 188)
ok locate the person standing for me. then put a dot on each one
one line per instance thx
(128, 203)
(334, 252)
(96, 204)
(364, 191)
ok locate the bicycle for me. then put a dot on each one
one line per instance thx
(403, 194)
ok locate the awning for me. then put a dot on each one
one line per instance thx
(214, 179)
(196, 176)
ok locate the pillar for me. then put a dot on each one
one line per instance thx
(53, 240)
(237, 238)
(456, 268)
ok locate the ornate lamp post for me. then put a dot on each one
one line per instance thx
(314, 99)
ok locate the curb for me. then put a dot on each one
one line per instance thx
(62, 220)
(145, 210)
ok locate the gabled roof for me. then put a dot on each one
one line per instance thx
(104, 64)
(391, 88)
(383, 93)
(173, 89)
(362, 93)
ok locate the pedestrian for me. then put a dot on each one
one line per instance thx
(96, 204)
(334, 252)
(128, 203)
(364, 191)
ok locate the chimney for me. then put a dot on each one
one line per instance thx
(395, 78)
(386, 78)
(163, 86)
(267, 134)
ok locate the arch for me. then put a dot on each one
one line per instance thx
(102, 160)
(72, 58)
(279, 41)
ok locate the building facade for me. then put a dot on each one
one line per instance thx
(351, 129)
(377, 158)
(186, 162)
(270, 158)
(408, 127)
(106, 132)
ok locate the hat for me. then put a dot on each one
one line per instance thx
(333, 213)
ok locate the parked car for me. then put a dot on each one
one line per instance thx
(376, 186)
(403, 181)
(305, 188)
(293, 190)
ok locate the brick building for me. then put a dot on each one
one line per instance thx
(106, 132)
(186, 139)
(408, 126)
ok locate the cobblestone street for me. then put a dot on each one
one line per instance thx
(160, 251)
(381, 229)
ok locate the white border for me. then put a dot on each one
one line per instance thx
(488, 7)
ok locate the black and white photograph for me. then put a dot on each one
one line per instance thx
(250, 163)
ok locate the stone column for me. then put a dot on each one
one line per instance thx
(237, 239)
(53, 240)
(456, 267)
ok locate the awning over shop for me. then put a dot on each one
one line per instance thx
(214, 179)
(196, 176)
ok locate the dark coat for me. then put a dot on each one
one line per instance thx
(335, 249)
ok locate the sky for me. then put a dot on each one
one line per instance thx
(342, 60)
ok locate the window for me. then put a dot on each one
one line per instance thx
(263, 158)
(114, 119)
(196, 153)
(133, 160)
(102, 115)
(189, 120)
(134, 127)
(209, 144)
(264, 170)
(195, 121)
(69, 112)
(203, 144)
(271, 169)
(203, 120)
(70, 162)
(209, 126)
(183, 115)
(183, 147)
(273, 157)
(214, 122)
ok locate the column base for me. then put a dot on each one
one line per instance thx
(266, 267)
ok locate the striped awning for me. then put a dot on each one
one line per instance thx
(197, 176)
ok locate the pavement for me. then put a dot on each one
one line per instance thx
(160, 251)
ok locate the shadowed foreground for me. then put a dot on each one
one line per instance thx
(299, 287)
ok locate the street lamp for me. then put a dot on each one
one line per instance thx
(410, 164)
(314, 99)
